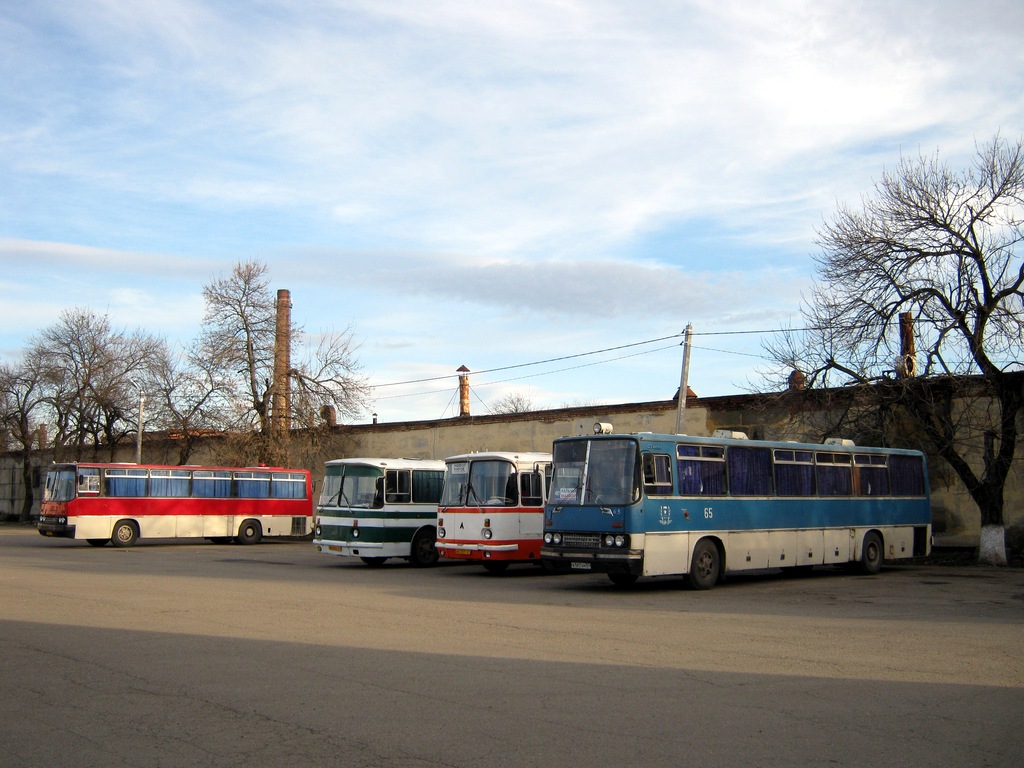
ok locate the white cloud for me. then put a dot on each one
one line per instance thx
(526, 165)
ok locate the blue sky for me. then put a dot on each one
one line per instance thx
(468, 182)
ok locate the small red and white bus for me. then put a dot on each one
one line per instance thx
(120, 503)
(492, 508)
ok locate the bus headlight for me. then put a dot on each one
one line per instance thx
(441, 533)
(547, 537)
(317, 532)
(556, 538)
(488, 533)
(355, 533)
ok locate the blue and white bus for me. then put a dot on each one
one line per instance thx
(673, 505)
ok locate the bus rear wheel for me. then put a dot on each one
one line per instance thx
(705, 565)
(250, 532)
(423, 552)
(125, 533)
(872, 554)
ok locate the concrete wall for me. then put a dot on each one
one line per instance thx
(512, 432)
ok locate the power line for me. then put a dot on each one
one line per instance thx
(587, 354)
(479, 385)
(526, 365)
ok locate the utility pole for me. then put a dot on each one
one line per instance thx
(683, 376)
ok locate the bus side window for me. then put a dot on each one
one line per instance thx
(657, 474)
(398, 489)
(532, 493)
(88, 480)
(426, 486)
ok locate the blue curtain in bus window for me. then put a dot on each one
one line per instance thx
(794, 473)
(701, 471)
(426, 486)
(253, 485)
(834, 478)
(750, 471)
(126, 482)
(168, 483)
(872, 474)
(288, 485)
(907, 475)
(211, 484)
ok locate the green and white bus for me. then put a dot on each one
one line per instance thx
(377, 508)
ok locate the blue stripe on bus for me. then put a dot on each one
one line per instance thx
(731, 514)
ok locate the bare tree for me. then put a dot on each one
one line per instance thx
(189, 396)
(21, 402)
(942, 248)
(238, 339)
(91, 375)
(513, 402)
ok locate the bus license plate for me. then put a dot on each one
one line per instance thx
(580, 566)
(461, 551)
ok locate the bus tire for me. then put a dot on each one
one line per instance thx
(705, 566)
(496, 566)
(125, 533)
(374, 562)
(872, 554)
(98, 542)
(250, 532)
(423, 553)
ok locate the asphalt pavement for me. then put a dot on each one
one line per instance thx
(197, 654)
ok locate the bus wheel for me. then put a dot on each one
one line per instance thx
(250, 532)
(374, 562)
(623, 579)
(125, 533)
(872, 554)
(98, 542)
(705, 566)
(423, 551)
(496, 566)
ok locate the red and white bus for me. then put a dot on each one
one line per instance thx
(492, 508)
(120, 503)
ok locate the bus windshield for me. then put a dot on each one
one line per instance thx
(352, 486)
(595, 472)
(60, 484)
(490, 483)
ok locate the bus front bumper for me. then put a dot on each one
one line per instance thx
(589, 561)
(476, 547)
(349, 549)
(55, 526)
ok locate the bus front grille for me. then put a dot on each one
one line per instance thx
(588, 540)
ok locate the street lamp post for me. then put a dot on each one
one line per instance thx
(138, 434)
